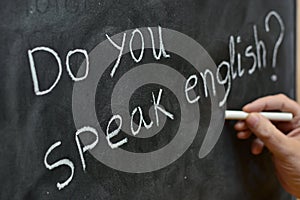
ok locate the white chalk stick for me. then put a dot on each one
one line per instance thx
(274, 116)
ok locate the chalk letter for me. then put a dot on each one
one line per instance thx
(157, 107)
(232, 56)
(280, 38)
(207, 71)
(250, 53)
(87, 147)
(259, 45)
(188, 88)
(239, 59)
(110, 135)
(142, 48)
(33, 71)
(61, 162)
(161, 45)
(142, 121)
(227, 79)
(120, 48)
(86, 60)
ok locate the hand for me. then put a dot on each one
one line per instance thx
(282, 138)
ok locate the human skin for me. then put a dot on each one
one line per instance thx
(281, 138)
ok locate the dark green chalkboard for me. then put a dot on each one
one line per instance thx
(250, 43)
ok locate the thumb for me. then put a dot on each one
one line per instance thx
(274, 139)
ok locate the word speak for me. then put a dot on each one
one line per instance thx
(109, 135)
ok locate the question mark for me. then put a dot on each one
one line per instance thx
(280, 38)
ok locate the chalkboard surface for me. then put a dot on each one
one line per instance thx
(125, 99)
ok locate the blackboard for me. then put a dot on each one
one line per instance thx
(90, 110)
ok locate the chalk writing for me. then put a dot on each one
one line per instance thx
(231, 69)
(258, 57)
(87, 147)
(279, 40)
(162, 50)
(114, 133)
(33, 69)
(52, 52)
(59, 163)
(157, 107)
(120, 48)
(141, 121)
(142, 47)
(194, 79)
(86, 60)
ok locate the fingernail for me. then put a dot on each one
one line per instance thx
(252, 120)
(239, 125)
(245, 108)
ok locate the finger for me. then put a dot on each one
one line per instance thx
(244, 134)
(276, 141)
(257, 146)
(240, 126)
(295, 134)
(275, 102)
